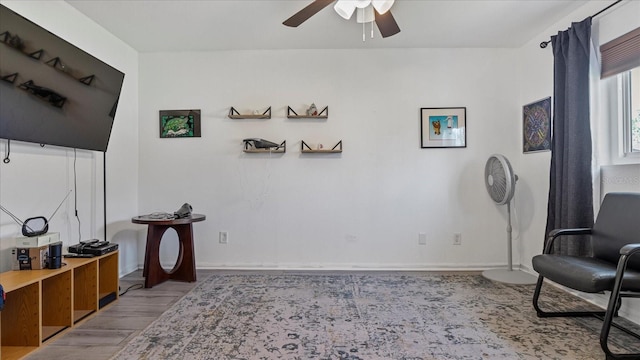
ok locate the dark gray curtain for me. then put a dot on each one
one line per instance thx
(570, 189)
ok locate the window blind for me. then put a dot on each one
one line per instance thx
(620, 54)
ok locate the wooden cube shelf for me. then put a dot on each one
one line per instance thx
(43, 303)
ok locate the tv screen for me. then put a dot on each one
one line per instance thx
(52, 92)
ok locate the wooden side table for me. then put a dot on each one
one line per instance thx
(185, 267)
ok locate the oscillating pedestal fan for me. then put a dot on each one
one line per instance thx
(501, 185)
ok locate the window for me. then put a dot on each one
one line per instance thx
(630, 81)
(621, 57)
(634, 125)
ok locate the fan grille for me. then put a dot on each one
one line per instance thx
(499, 179)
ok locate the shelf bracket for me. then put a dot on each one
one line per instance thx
(11, 78)
(36, 54)
(233, 111)
(56, 63)
(87, 79)
(290, 110)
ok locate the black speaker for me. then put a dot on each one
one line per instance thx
(54, 259)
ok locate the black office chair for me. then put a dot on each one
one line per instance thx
(614, 265)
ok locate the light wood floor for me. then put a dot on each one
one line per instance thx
(103, 335)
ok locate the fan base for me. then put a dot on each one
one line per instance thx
(515, 277)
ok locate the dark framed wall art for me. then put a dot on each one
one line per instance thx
(443, 127)
(536, 126)
(179, 123)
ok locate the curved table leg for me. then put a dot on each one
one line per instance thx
(185, 267)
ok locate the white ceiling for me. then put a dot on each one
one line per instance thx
(185, 25)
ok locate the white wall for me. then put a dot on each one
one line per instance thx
(535, 72)
(37, 179)
(363, 208)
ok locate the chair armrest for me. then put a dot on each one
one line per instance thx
(630, 249)
(553, 234)
(625, 254)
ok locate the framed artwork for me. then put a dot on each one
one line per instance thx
(536, 126)
(443, 127)
(179, 123)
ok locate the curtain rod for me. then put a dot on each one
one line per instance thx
(545, 43)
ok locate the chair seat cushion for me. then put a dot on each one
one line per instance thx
(583, 273)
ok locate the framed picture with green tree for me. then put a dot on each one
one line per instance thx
(179, 123)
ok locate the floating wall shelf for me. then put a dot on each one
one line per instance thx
(14, 42)
(234, 114)
(291, 114)
(304, 148)
(282, 148)
(48, 95)
(57, 64)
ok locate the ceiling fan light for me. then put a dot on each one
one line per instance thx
(382, 6)
(365, 15)
(345, 8)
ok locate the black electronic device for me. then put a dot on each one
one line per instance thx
(94, 248)
(54, 258)
(24, 260)
(184, 211)
(71, 255)
(34, 226)
(107, 299)
(52, 92)
(3, 297)
(260, 143)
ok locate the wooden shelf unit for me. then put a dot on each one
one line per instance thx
(324, 114)
(7, 39)
(234, 114)
(282, 148)
(57, 64)
(43, 303)
(306, 149)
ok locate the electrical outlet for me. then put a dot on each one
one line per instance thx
(223, 237)
(457, 239)
(422, 239)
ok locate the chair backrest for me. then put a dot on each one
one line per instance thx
(617, 224)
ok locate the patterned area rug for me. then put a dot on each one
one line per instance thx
(364, 316)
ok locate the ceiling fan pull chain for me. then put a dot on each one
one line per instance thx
(372, 29)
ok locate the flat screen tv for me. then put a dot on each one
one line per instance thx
(52, 92)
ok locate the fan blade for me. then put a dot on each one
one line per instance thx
(304, 14)
(387, 24)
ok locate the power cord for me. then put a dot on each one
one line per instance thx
(75, 194)
(132, 287)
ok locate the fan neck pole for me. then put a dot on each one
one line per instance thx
(509, 230)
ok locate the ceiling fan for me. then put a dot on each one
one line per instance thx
(384, 19)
